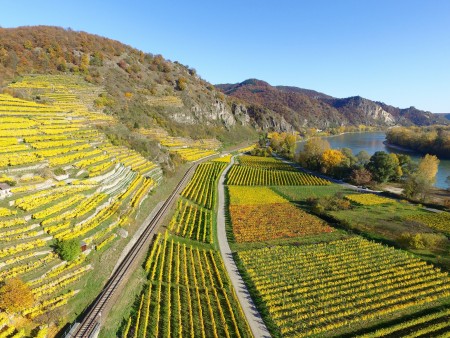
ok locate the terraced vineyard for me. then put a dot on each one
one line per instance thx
(64, 181)
(188, 293)
(186, 148)
(269, 171)
(315, 289)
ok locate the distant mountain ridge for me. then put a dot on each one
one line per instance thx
(309, 108)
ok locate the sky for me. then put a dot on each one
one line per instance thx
(395, 51)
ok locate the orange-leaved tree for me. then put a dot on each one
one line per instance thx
(15, 296)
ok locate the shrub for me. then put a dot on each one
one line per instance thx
(59, 171)
(422, 240)
(68, 250)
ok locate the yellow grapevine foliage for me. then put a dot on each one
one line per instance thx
(178, 272)
(439, 221)
(191, 221)
(250, 175)
(45, 138)
(368, 199)
(201, 188)
(253, 195)
(312, 289)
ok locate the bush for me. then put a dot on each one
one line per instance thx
(329, 203)
(422, 240)
(181, 83)
(59, 171)
(68, 250)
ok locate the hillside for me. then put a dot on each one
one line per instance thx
(308, 108)
(142, 89)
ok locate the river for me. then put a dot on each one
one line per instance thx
(372, 142)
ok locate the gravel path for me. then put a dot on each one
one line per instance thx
(254, 319)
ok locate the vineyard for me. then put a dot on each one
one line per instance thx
(192, 221)
(64, 180)
(259, 173)
(439, 221)
(201, 189)
(323, 288)
(264, 163)
(259, 214)
(436, 324)
(186, 148)
(188, 293)
(368, 199)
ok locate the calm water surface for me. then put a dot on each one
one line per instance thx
(372, 142)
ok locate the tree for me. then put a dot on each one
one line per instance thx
(382, 166)
(290, 144)
(350, 160)
(331, 158)
(15, 296)
(363, 158)
(68, 250)
(419, 183)
(312, 152)
(361, 176)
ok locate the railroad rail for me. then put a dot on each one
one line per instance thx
(90, 325)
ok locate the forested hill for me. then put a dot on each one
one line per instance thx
(304, 107)
(143, 89)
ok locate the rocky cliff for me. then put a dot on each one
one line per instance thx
(302, 108)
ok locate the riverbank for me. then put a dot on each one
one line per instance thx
(399, 148)
(372, 142)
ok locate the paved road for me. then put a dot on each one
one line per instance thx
(254, 319)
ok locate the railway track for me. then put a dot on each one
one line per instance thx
(90, 324)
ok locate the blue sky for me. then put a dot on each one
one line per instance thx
(392, 51)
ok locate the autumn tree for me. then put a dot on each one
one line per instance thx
(85, 59)
(361, 176)
(330, 159)
(290, 144)
(419, 183)
(15, 296)
(311, 154)
(181, 83)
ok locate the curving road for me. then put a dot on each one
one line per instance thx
(254, 319)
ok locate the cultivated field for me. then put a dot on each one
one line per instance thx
(259, 214)
(188, 293)
(265, 171)
(321, 288)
